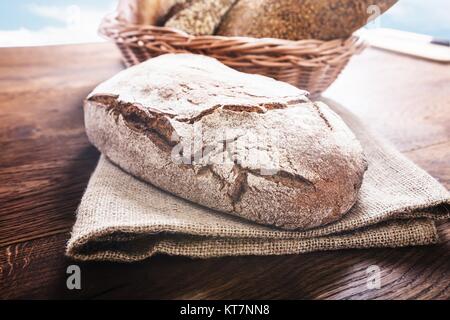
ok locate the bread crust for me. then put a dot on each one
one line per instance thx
(146, 12)
(309, 175)
(200, 17)
(299, 19)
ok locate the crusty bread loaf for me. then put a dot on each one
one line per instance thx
(200, 17)
(299, 19)
(243, 144)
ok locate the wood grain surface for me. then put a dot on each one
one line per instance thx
(46, 161)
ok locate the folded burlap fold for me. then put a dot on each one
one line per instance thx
(124, 219)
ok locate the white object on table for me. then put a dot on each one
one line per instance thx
(413, 44)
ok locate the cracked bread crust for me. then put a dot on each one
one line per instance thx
(141, 115)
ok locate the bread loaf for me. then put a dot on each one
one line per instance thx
(147, 12)
(243, 144)
(200, 17)
(299, 19)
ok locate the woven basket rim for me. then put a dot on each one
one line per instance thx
(309, 64)
(112, 27)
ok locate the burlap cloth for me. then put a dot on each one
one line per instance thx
(121, 218)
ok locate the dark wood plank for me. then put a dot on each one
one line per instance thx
(46, 159)
(46, 162)
(435, 159)
(37, 269)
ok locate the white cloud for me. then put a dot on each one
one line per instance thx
(52, 12)
(46, 36)
(80, 25)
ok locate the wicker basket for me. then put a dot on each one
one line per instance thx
(307, 64)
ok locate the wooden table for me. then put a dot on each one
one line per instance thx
(46, 161)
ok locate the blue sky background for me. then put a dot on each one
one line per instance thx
(15, 14)
(31, 22)
(39, 22)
